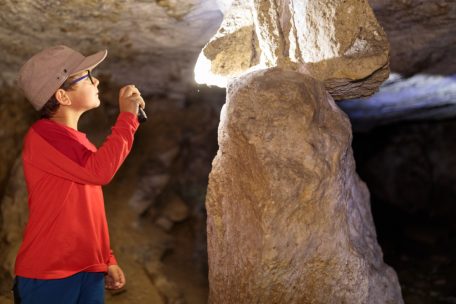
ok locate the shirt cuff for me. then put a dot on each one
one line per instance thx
(129, 118)
(112, 259)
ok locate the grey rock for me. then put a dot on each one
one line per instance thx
(421, 97)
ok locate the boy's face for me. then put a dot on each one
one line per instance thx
(84, 94)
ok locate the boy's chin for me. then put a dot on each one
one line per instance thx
(96, 104)
(91, 107)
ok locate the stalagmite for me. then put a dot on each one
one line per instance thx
(289, 220)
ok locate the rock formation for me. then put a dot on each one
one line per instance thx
(420, 97)
(289, 220)
(14, 217)
(337, 42)
(153, 43)
(422, 35)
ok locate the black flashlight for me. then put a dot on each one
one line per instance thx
(142, 117)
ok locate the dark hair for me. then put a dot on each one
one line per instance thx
(52, 105)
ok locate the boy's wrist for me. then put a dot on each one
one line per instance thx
(129, 118)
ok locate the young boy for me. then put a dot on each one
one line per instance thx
(65, 256)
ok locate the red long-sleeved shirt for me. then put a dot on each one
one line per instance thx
(67, 231)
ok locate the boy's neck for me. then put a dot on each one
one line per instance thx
(66, 119)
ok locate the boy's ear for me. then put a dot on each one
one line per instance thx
(62, 97)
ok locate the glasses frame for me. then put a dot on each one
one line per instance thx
(83, 77)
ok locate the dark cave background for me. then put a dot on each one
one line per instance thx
(410, 170)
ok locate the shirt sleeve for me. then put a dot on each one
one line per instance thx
(100, 166)
(104, 163)
(112, 259)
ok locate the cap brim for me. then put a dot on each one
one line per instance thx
(91, 61)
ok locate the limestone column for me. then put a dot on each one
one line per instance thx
(289, 220)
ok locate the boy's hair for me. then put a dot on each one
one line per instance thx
(50, 108)
(52, 105)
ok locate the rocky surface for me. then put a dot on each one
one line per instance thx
(420, 97)
(155, 44)
(14, 215)
(421, 34)
(339, 43)
(15, 115)
(150, 43)
(289, 220)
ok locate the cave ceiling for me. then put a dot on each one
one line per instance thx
(155, 44)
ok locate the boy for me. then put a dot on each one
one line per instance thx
(65, 256)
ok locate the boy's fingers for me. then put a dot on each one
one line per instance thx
(128, 91)
(142, 103)
(113, 282)
(121, 277)
(108, 282)
(131, 90)
(122, 90)
(115, 275)
(139, 100)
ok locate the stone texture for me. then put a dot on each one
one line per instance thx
(235, 37)
(337, 42)
(289, 220)
(176, 209)
(150, 43)
(14, 216)
(422, 35)
(15, 116)
(421, 97)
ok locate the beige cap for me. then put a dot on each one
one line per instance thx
(45, 72)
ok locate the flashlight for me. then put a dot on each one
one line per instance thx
(142, 117)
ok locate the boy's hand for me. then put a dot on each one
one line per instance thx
(115, 279)
(129, 99)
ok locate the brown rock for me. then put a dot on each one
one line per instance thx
(165, 34)
(168, 290)
(14, 216)
(422, 35)
(176, 209)
(164, 223)
(337, 42)
(15, 116)
(289, 220)
(235, 37)
(150, 187)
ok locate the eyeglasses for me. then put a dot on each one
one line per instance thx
(83, 77)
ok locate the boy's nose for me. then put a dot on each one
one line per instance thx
(97, 82)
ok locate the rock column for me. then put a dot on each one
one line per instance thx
(289, 220)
